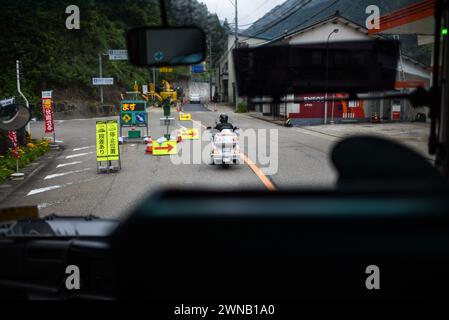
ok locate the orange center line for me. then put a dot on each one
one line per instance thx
(268, 184)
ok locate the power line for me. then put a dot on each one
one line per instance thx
(313, 16)
(255, 10)
(271, 24)
(302, 23)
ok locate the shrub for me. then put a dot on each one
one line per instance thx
(27, 154)
(241, 108)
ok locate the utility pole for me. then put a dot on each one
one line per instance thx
(210, 68)
(20, 92)
(236, 31)
(100, 68)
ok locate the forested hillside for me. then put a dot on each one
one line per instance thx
(53, 57)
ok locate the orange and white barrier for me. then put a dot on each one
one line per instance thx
(149, 148)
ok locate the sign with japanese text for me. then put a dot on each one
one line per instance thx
(101, 137)
(112, 140)
(107, 141)
(133, 106)
(47, 112)
(12, 136)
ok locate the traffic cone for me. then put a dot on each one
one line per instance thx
(149, 149)
(179, 138)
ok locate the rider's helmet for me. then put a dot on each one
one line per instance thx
(223, 118)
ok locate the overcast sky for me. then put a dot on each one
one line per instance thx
(248, 10)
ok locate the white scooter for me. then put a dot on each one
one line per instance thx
(225, 148)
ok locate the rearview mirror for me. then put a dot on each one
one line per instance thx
(13, 116)
(155, 46)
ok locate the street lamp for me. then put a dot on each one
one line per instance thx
(327, 73)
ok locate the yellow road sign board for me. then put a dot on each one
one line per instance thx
(185, 117)
(165, 69)
(113, 151)
(107, 141)
(190, 134)
(126, 118)
(101, 134)
(165, 148)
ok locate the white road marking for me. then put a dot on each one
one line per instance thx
(52, 176)
(36, 191)
(83, 148)
(78, 155)
(40, 190)
(68, 164)
(133, 145)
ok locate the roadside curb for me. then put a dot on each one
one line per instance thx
(267, 120)
(30, 171)
(327, 134)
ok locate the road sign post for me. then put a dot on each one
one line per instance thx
(133, 114)
(107, 146)
(47, 111)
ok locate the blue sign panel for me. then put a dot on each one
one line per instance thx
(198, 68)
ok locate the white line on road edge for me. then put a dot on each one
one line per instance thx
(52, 176)
(35, 191)
(78, 155)
(83, 148)
(68, 164)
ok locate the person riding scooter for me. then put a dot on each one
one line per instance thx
(223, 124)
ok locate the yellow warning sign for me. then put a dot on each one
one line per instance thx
(113, 150)
(190, 134)
(102, 151)
(107, 141)
(126, 118)
(165, 148)
(165, 69)
(185, 117)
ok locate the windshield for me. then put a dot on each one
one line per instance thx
(105, 134)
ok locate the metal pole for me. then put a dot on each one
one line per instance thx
(20, 92)
(333, 100)
(210, 68)
(236, 46)
(100, 68)
(327, 73)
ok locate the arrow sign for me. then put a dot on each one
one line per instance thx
(164, 148)
(167, 148)
(190, 134)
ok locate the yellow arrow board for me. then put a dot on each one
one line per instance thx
(102, 149)
(185, 117)
(113, 151)
(164, 148)
(190, 134)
